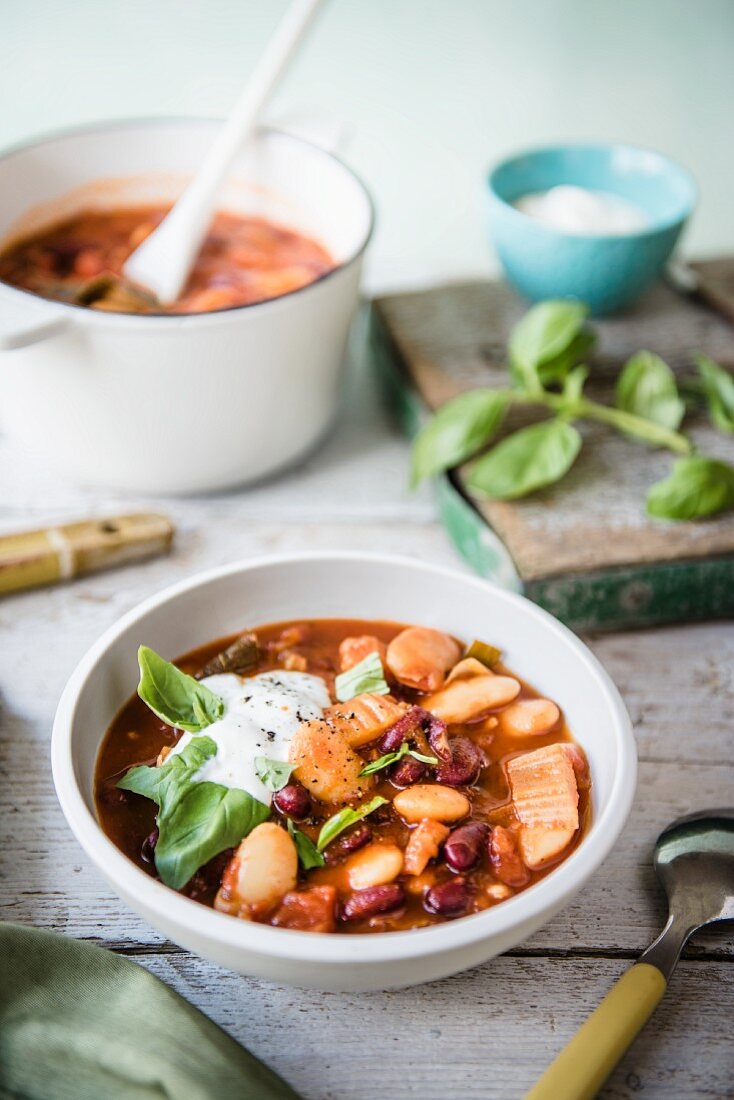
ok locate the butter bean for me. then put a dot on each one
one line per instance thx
(375, 865)
(431, 800)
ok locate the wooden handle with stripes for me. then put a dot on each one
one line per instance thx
(53, 554)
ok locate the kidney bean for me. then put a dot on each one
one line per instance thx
(407, 771)
(401, 730)
(438, 737)
(356, 838)
(464, 846)
(448, 899)
(293, 801)
(147, 851)
(373, 901)
(463, 768)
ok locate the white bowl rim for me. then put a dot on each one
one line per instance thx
(85, 315)
(198, 921)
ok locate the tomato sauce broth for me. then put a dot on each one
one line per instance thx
(136, 736)
(243, 260)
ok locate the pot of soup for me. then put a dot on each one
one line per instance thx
(240, 377)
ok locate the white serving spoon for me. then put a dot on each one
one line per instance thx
(163, 261)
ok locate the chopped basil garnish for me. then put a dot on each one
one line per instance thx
(196, 819)
(308, 853)
(367, 676)
(177, 699)
(489, 655)
(392, 758)
(346, 817)
(273, 773)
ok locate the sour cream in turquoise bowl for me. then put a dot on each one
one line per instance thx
(595, 222)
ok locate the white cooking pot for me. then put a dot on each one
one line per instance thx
(177, 404)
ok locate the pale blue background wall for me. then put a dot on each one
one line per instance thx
(435, 90)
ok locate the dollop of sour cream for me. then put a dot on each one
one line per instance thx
(582, 211)
(261, 715)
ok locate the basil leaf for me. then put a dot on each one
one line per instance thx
(647, 388)
(367, 676)
(207, 820)
(696, 487)
(308, 853)
(346, 817)
(423, 759)
(526, 461)
(544, 334)
(177, 699)
(196, 820)
(273, 773)
(168, 783)
(718, 388)
(393, 757)
(558, 368)
(457, 431)
(386, 760)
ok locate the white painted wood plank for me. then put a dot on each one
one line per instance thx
(484, 1035)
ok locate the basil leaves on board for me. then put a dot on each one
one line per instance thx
(526, 461)
(545, 359)
(308, 854)
(647, 388)
(177, 699)
(458, 430)
(196, 819)
(718, 389)
(274, 774)
(697, 487)
(367, 676)
(340, 821)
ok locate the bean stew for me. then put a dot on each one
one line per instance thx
(243, 260)
(342, 776)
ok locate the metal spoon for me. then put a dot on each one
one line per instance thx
(694, 859)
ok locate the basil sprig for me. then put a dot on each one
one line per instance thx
(697, 487)
(196, 819)
(393, 757)
(545, 356)
(367, 676)
(308, 853)
(177, 699)
(718, 389)
(647, 388)
(336, 824)
(274, 774)
(528, 460)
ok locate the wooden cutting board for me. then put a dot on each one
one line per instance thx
(584, 549)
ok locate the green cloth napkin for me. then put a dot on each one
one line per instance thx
(80, 1023)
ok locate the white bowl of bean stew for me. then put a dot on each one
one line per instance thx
(343, 771)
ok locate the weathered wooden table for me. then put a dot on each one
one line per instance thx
(484, 1034)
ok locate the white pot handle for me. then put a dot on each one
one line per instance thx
(25, 321)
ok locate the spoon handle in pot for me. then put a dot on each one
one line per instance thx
(584, 1064)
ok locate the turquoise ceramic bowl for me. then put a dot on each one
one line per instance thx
(606, 272)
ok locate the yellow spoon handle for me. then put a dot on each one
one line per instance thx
(584, 1064)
